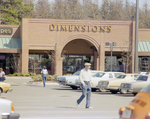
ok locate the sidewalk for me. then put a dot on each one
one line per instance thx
(25, 80)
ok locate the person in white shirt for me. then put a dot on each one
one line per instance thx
(2, 75)
(85, 78)
(44, 74)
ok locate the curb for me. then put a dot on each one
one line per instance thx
(40, 83)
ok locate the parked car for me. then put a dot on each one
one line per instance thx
(138, 107)
(72, 79)
(103, 76)
(4, 87)
(7, 110)
(114, 84)
(135, 86)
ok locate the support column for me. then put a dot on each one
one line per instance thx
(58, 66)
(95, 59)
(101, 58)
(53, 62)
(25, 49)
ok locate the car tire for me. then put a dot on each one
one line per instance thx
(134, 94)
(94, 89)
(113, 92)
(74, 87)
(0, 91)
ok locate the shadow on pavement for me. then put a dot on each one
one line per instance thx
(125, 95)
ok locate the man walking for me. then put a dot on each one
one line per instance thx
(85, 78)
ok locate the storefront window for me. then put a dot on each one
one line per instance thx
(117, 65)
(144, 64)
(73, 63)
(37, 61)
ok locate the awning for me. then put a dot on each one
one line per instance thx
(144, 46)
(10, 43)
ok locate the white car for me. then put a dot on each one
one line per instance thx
(7, 110)
(114, 84)
(72, 79)
(103, 76)
(135, 86)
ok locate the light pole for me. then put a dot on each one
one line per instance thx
(111, 49)
(136, 38)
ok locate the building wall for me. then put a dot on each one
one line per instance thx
(144, 34)
(52, 34)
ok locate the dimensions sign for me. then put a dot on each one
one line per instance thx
(82, 28)
(6, 31)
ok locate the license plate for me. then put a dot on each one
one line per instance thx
(127, 113)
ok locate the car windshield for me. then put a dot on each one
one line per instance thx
(146, 89)
(77, 73)
(121, 76)
(142, 78)
(100, 74)
(117, 74)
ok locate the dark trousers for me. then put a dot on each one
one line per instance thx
(86, 92)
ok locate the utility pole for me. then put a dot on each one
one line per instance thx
(136, 38)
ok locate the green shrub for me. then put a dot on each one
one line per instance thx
(15, 74)
(22, 74)
(10, 74)
(54, 77)
(49, 78)
(27, 74)
(33, 74)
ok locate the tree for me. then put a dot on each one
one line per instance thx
(42, 9)
(12, 11)
(126, 55)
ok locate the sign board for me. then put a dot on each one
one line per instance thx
(6, 31)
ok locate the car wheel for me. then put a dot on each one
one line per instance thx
(0, 91)
(102, 90)
(113, 92)
(122, 92)
(134, 94)
(74, 87)
(94, 89)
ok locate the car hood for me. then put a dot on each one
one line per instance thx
(134, 82)
(71, 76)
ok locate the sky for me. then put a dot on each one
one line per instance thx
(134, 1)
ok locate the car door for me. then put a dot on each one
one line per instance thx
(141, 83)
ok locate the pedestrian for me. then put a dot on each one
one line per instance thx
(2, 75)
(44, 74)
(85, 78)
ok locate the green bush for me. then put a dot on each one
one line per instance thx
(15, 74)
(27, 74)
(10, 74)
(49, 78)
(22, 74)
(54, 77)
(33, 74)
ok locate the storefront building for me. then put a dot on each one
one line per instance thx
(64, 45)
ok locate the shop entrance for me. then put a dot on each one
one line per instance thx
(76, 53)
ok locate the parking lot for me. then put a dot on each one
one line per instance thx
(33, 101)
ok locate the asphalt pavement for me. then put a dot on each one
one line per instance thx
(33, 101)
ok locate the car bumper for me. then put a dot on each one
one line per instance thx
(128, 90)
(61, 83)
(102, 86)
(10, 116)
